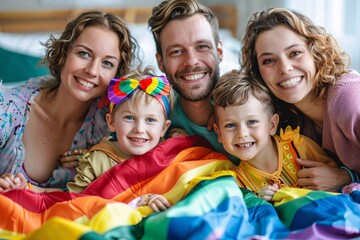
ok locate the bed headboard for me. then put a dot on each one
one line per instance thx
(55, 20)
(22, 32)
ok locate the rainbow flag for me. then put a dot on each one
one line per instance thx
(207, 204)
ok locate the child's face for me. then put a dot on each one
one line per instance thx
(138, 128)
(246, 130)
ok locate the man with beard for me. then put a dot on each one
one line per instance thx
(189, 52)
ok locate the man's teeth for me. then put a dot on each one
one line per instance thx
(194, 77)
(291, 82)
(86, 84)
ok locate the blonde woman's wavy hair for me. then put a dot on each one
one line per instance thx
(330, 60)
(178, 9)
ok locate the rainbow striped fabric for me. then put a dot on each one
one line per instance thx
(207, 204)
(121, 89)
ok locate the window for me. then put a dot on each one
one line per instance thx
(338, 17)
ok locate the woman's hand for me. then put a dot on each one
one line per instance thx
(268, 192)
(70, 159)
(9, 181)
(321, 176)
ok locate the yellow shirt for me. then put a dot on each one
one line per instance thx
(290, 146)
(97, 161)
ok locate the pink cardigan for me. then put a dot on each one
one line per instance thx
(341, 126)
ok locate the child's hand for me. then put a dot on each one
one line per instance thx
(155, 201)
(70, 159)
(10, 181)
(268, 192)
(158, 203)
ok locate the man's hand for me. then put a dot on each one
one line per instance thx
(321, 176)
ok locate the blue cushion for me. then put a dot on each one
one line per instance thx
(17, 67)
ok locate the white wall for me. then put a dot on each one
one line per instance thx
(332, 14)
(16, 5)
(340, 18)
(245, 7)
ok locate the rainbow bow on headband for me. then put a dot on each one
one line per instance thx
(121, 89)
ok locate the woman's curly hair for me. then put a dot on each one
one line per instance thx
(58, 48)
(330, 60)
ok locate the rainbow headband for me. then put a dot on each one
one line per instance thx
(121, 89)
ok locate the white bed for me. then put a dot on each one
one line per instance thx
(22, 32)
